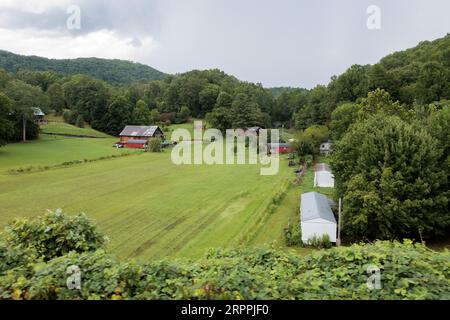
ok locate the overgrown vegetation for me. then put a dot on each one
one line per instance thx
(390, 170)
(35, 256)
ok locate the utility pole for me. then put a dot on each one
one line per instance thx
(24, 128)
(338, 241)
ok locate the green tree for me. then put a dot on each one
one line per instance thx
(119, 115)
(245, 112)
(208, 97)
(341, 119)
(80, 121)
(183, 115)
(6, 126)
(224, 100)
(220, 118)
(56, 97)
(380, 101)
(142, 116)
(433, 83)
(155, 145)
(390, 177)
(25, 98)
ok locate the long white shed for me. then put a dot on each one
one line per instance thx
(316, 217)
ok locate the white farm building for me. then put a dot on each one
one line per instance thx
(316, 217)
(323, 178)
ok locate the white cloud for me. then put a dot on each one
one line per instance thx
(33, 6)
(59, 44)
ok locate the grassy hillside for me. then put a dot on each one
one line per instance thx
(113, 71)
(53, 150)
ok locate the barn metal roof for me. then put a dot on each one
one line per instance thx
(139, 131)
(316, 206)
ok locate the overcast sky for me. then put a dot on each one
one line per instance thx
(277, 43)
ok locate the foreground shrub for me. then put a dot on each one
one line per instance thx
(155, 145)
(406, 270)
(54, 235)
(320, 242)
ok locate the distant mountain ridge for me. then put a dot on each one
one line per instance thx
(116, 72)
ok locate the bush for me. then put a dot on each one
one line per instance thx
(155, 145)
(320, 242)
(79, 122)
(54, 235)
(293, 236)
(67, 115)
(407, 270)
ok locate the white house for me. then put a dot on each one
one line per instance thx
(323, 178)
(316, 217)
(325, 148)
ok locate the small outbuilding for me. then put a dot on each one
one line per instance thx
(39, 116)
(316, 216)
(326, 147)
(323, 178)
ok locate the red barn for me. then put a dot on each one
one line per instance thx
(280, 148)
(138, 137)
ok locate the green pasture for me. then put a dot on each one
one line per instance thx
(149, 207)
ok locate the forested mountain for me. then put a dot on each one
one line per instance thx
(116, 72)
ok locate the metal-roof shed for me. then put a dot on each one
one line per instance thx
(316, 217)
(323, 178)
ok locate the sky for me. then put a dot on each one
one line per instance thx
(295, 43)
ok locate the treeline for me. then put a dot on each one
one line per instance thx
(116, 72)
(225, 101)
(35, 257)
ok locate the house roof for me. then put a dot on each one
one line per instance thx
(139, 131)
(37, 111)
(316, 206)
(324, 179)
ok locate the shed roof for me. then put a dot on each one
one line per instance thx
(323, 179)
(37, 111)
(139, 131)
(316, 206)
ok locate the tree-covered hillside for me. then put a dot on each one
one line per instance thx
(116, 72)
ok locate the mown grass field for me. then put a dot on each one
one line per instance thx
(53, 150)
(149, 207)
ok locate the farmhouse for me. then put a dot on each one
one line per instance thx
(325, 148)
(316, 217)
(39, 116)
(139, 136)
